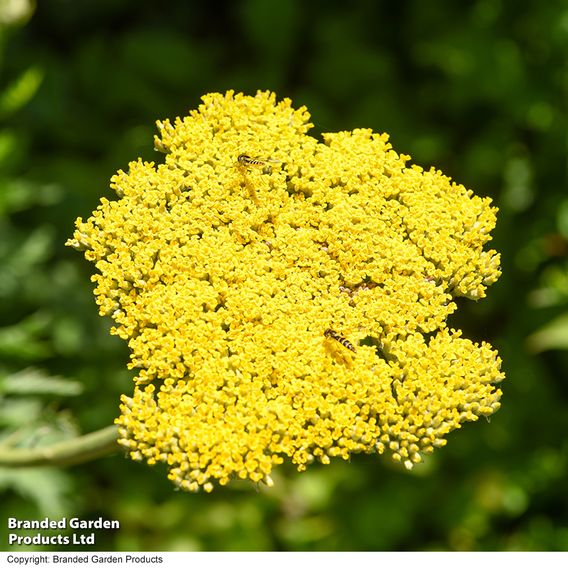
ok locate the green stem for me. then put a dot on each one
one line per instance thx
(71, 452)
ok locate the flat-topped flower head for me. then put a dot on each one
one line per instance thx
(287, 299)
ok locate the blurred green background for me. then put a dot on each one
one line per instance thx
(477, 89)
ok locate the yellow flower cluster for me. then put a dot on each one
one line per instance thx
(285, 298)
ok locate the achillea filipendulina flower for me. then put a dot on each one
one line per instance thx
(285, 298)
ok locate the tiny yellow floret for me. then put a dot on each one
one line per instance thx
(285, 298)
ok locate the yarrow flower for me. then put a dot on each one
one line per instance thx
(287, 299)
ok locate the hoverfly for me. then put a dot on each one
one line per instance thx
(249, 162)
(329, 333)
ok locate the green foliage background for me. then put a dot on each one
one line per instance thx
(475, 88)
